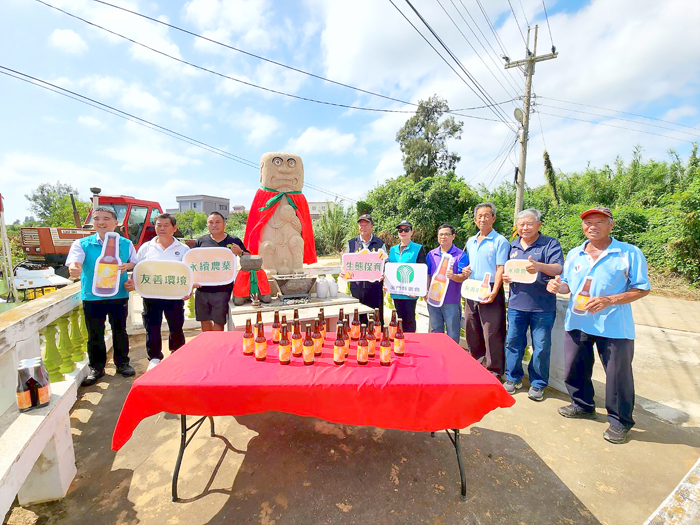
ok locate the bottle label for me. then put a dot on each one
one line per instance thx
(580, 303)
(385, 354)
(355, 331)
(362, 354)
(392, 331)
(399, 345)
(260, 350)
(371, 346)
(248, 345)
(44, 395)
(24, 400)
(483, 292)
(347, 347)
(297, 347)
(437, 291)
(308, 354)
(318, 346)
(338, 353)
(106, 277)
(284, 353)
(275, 335)
(378, 332)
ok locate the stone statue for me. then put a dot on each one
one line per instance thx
(279, 223)
(251, 281)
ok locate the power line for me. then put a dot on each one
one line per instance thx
(142, 122)
(541, 129)
(548, 26)
(527, 22)
(517, 23)
(487, 105)
(501, 150)
(493, 29)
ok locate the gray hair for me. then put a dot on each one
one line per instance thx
(106, 210)
(537, 214)
(485, 205)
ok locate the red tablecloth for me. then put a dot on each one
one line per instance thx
(434, 386)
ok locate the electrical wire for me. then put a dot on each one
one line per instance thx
(548, 26)
(517, 23)
(524, 13)
(493, 29)
(501, 150)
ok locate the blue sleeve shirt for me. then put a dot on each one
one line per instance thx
(535, 297)
(486, 255)
(621, 267)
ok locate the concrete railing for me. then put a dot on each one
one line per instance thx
(37, 462)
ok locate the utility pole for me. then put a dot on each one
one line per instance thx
(529, 65)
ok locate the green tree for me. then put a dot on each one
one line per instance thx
(191, 223)
(333, 229)
(42, 199)
(423, 140)
(61, 213)
(235, 224)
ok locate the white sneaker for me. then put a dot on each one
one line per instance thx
(152, 364)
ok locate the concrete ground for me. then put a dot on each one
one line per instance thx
(525, 465)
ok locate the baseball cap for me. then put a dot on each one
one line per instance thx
(365, 217)
(597, 209)
(405, 223)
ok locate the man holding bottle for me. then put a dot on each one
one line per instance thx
(603, 276)
(83, 257)
(448, 317)
(485, 321)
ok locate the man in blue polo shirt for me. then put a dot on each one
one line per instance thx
(448, 317)
(531, 306)
(604, 276)
(485, 321)
(81, 261)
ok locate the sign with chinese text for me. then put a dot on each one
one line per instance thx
(211, 266)
(155, 279)
(475, 290)
(363, 266)
(406, 278)
(516, 270)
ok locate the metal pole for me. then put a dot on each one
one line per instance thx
(7, 268)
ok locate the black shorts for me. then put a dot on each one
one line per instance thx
(211, 306)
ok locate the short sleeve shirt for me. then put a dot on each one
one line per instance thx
(152, 250)
(461, 261)
(621, 267)
(487, 255)
(535, 297)
(205, 241)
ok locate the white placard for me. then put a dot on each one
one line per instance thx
(406, 278)
(476, 290)
(158, 279)
(516, 270)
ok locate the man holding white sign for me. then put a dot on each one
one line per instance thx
(534, 260)
(163, 247)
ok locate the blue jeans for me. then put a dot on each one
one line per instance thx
(448, 316)
(540, 324)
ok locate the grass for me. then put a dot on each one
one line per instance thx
(665, 283)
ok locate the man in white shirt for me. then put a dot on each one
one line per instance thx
(163, 247)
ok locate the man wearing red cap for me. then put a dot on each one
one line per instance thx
(603, 276)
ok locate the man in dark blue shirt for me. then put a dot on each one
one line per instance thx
(531, 305)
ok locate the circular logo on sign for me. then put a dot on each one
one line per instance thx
(404, 274)
(177, 253)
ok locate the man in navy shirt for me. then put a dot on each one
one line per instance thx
(531, 305)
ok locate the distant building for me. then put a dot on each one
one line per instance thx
(203, 204)
(317, 208)
(237, 208)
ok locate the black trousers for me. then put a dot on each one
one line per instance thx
(369, 294)
(406, 310)
(153, 311)
(616, 356)
(96, 313)
(485, 332)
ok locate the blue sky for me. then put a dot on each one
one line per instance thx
(633, 56)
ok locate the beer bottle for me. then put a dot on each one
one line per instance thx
(385, 349)
(248, 339)
(379, 320)
(371, 341)
(438, 285)
(296, 314)
(362, 346)
(276, 326)
(317, 339)
(399, 340)
(285, 348)
(107, 268)
(355, 327)
(260, 344)
(583, 297)
(297, 340)
(322, 326)
(39, 372)
(308, 347)
(341, 316)
(393, 325)
(258, 319)
(346, 336)
(485, 287)
(283, 322)
(339, 346)
(24, 396)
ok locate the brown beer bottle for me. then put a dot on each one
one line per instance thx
(308, 347)
(296, 314)
(371, 341)
(485, 287)
(399, 340)
(248, 339)
(322, 326)
(346, 336)
(107, 269)
(276, 326)
(393, 325)
(24, 396)
(339, 346)
(438, 284)
(385, 349)
(317, 339)
(261, 344)
(341, 316)
(285, 348)
(258, 319)
(377, 319)
(362, 346)
(355, 327)
(297, 341)
(583, 297)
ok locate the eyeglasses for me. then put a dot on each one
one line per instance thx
(403, 230)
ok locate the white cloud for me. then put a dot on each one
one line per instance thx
(314, 140)
(90, 122)
(260, 127)
(679, 113)
(68, 41)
